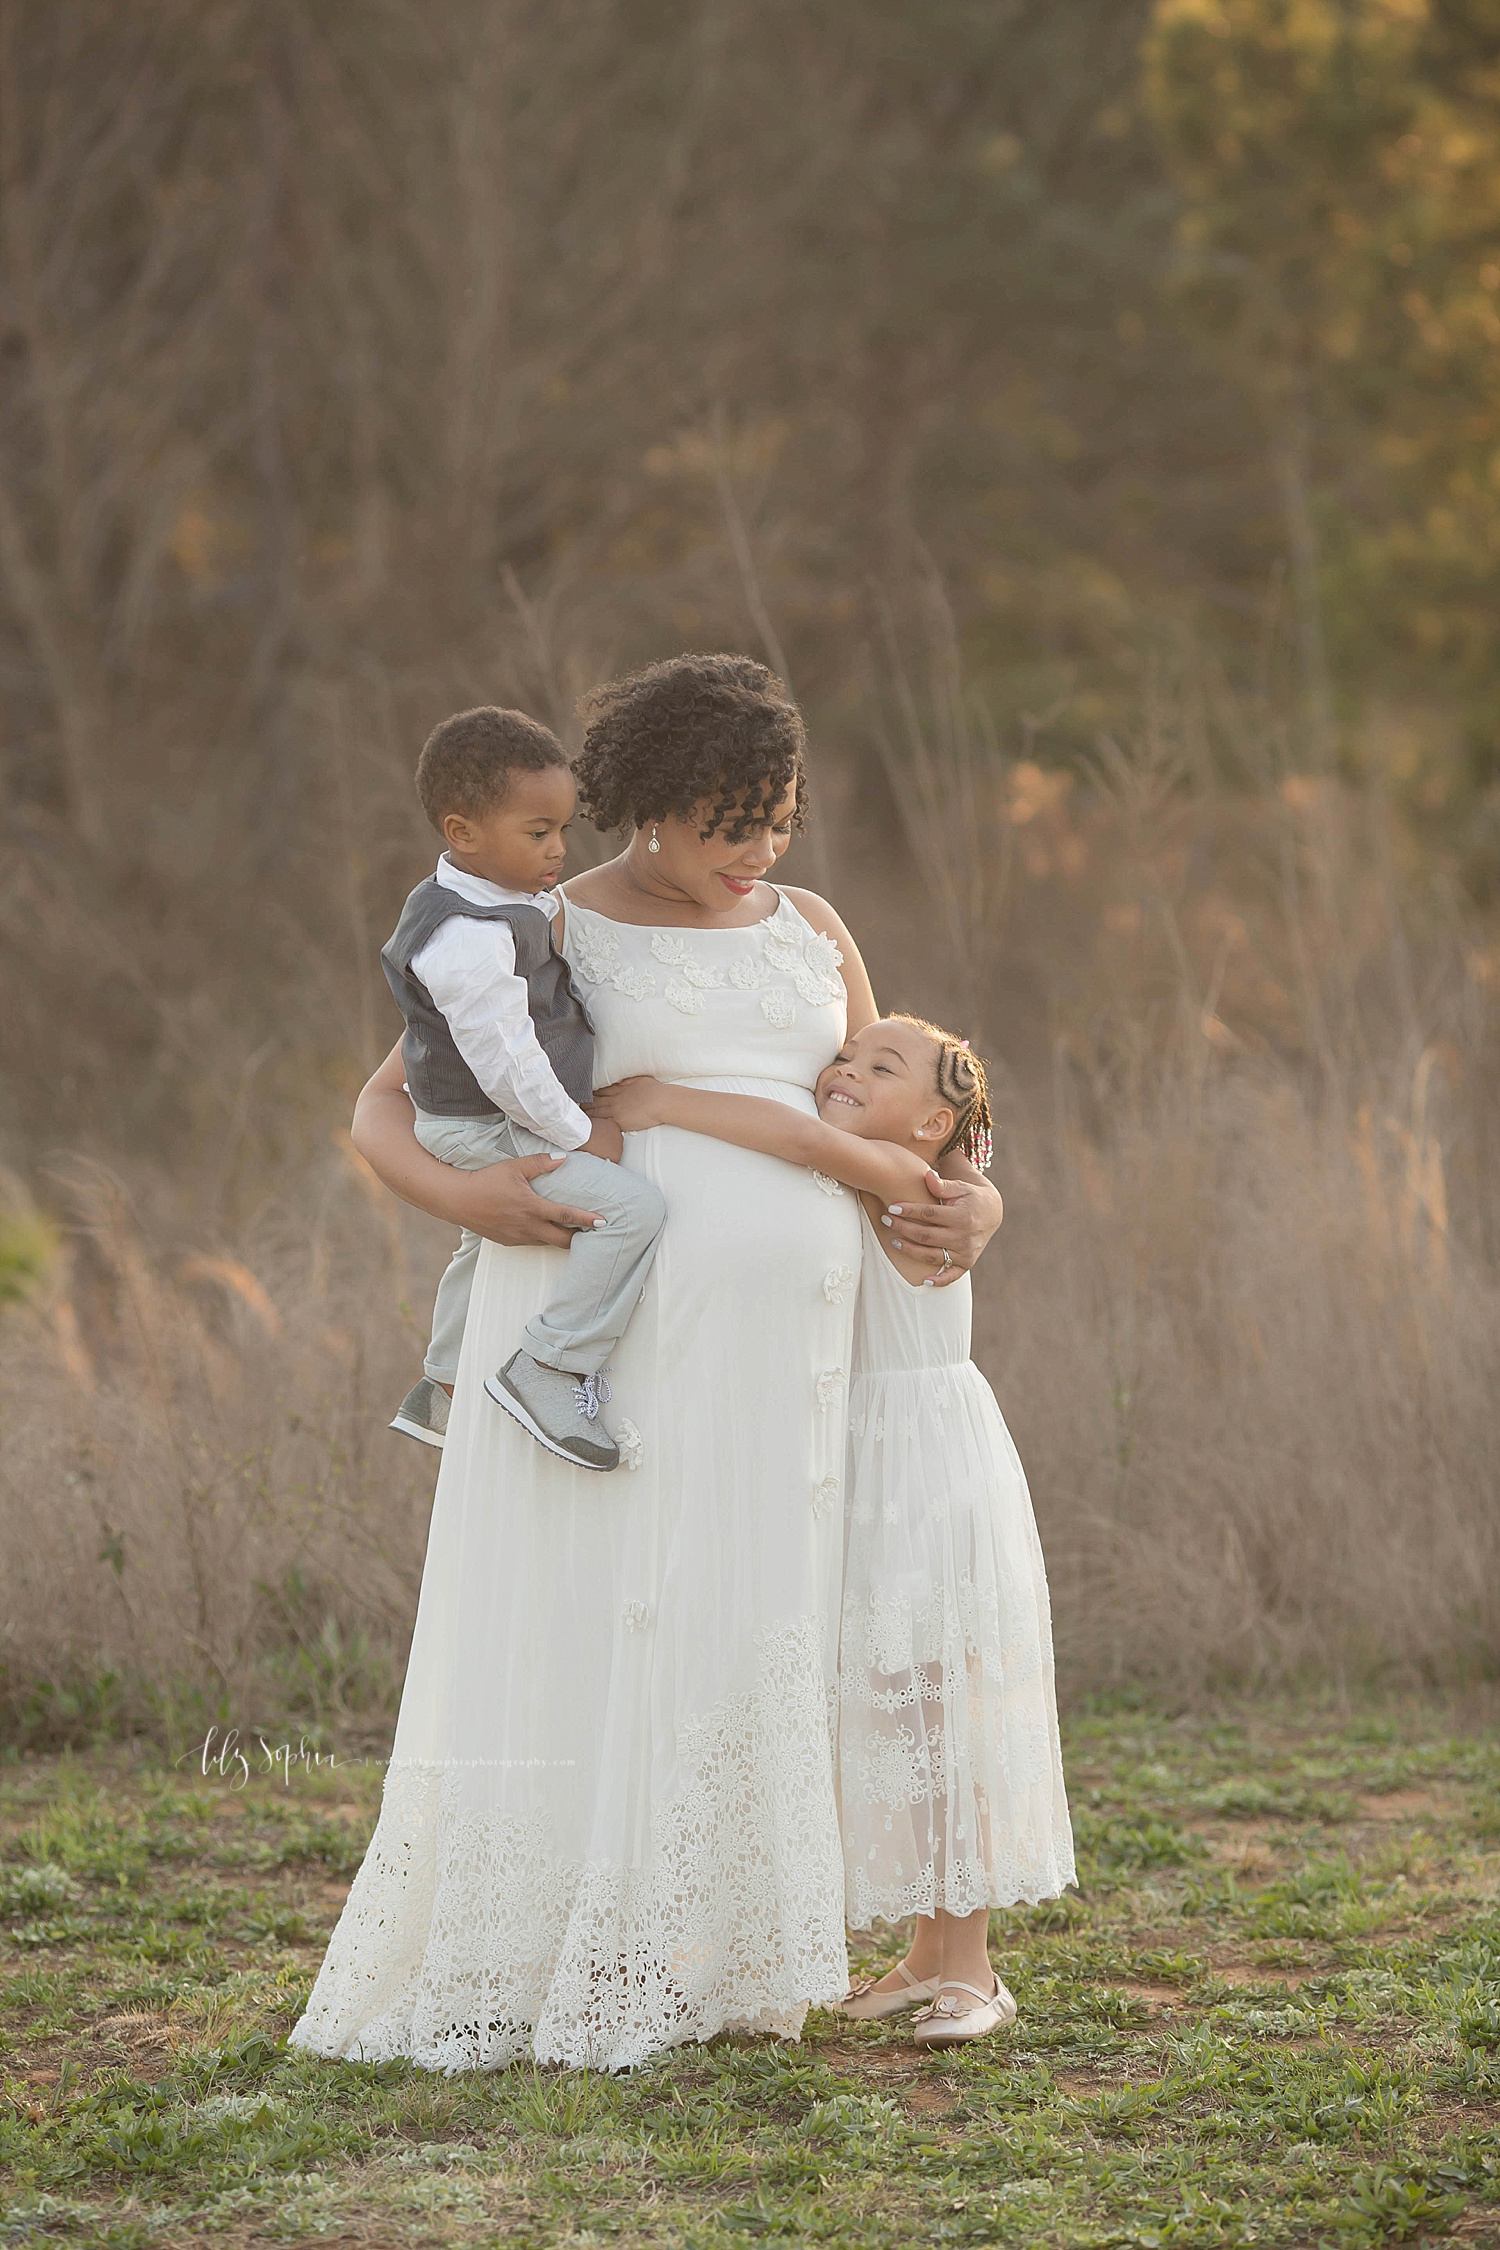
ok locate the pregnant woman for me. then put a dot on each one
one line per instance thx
(609, 1822)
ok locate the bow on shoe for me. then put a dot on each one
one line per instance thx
(946, 2004)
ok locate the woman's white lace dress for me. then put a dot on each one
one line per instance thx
(609, 1823)
(950, 1772)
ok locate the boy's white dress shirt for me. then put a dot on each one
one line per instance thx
(469, 968)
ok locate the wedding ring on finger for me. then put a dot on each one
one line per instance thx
(947, 1260)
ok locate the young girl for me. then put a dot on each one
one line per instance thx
(950, 1773)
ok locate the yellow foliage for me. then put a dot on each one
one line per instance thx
(28, 1245)
(1339, 162)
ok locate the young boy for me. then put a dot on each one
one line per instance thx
(499, 1059)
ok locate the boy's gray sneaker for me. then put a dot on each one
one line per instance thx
(423, 1413)
(560, 1410)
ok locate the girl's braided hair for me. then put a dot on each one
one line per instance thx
(962, 1084)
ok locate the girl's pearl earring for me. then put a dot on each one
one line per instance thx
(655, 843)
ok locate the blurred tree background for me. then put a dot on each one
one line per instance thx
(361, 360)
(1094, 409)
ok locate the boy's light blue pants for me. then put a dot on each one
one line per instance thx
(607, 1266)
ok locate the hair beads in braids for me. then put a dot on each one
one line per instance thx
(962, 1084)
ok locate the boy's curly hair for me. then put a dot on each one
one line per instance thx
(963, 1086)
(689, 730)
(467, 761)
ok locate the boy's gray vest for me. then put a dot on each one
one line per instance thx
(440, 1081)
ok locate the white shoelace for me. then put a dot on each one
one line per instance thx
(592, 1393)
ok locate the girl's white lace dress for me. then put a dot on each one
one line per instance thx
(609, 1823)
(950, 1772)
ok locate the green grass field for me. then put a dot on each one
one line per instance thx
(1272, 2017)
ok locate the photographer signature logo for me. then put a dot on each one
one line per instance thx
(225, 1754)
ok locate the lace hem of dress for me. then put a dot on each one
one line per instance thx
(468, 1940)
(953, 1627)
(963, 1888)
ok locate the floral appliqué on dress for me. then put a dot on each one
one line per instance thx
(686, 990)
(598, 952)
(792, 963)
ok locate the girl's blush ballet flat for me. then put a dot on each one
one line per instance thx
(951, 2021)
(863, 2004)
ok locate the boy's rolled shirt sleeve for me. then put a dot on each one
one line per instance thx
(469, 967)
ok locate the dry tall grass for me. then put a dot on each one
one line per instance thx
(368, 364)
(1243, 1314)
(201, 1512)
(1255, 1383)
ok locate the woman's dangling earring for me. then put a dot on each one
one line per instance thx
(655, 843)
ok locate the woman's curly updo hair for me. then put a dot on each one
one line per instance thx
(962, 1085)
(692, 730)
